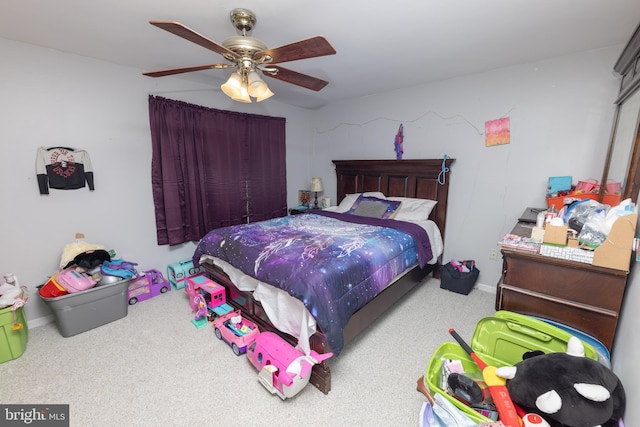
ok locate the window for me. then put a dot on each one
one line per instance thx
(212, 168)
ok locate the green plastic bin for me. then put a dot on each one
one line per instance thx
(499, 340)
(12, 341)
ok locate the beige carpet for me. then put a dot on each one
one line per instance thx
(154, 368)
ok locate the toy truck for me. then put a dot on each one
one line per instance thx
(150, 284)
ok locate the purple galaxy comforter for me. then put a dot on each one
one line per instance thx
(334, 263)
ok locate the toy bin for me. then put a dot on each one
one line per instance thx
(81, 311)
(607, 199)
(499, 340)
(13, 341)
(604, 356)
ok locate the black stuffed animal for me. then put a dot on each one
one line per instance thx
(90, 259)
(566, 389)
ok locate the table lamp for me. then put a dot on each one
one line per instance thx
(316, 186)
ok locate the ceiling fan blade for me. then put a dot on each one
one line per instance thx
(171, 71)
(303, 49)
(188, 34)
(297, 78)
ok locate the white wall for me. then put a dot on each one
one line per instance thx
(48, 98)
(626, 348)
(560, 110)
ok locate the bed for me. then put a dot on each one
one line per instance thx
(279, 310)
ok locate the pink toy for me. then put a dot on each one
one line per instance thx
(212, 291)
(239, 333)
(150, 284)
(206, 298)
(282, 369)
(73, 280)
(199, 305)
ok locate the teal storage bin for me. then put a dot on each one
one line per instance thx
(499, 340)
(13, 341)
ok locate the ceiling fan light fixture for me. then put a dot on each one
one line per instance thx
(232, 87)
(243, 95)
(265, 95)
(257, 87)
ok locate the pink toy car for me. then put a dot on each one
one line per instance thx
(236, 331)
(150, 284)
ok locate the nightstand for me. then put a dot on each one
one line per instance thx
(298, 210)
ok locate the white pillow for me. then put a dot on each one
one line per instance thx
(412, 209)
(350, 199)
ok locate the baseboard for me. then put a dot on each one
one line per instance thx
(486, 288)
(34, 323)
(49, 319)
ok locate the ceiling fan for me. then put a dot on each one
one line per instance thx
(248, 55)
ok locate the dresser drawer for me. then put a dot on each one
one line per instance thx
(593, 320)
(571, 281)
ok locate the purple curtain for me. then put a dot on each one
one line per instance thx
(267, 187)
(212, 168)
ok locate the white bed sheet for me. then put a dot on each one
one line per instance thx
(288, 313)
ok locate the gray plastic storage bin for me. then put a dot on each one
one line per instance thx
(81, 311)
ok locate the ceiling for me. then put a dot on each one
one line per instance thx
(380, 46)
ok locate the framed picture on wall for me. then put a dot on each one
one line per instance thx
(304, 198)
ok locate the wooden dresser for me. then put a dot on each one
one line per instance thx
(580, 295)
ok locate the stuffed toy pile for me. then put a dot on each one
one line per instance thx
(11, 293)
(566, 389)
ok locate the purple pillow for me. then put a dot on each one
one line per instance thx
(373, 207)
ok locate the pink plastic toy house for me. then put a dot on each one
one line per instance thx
(282, 369)
(206, 298)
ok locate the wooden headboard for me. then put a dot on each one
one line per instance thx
(422, 179)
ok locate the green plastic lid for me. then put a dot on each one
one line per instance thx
(506, 336)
